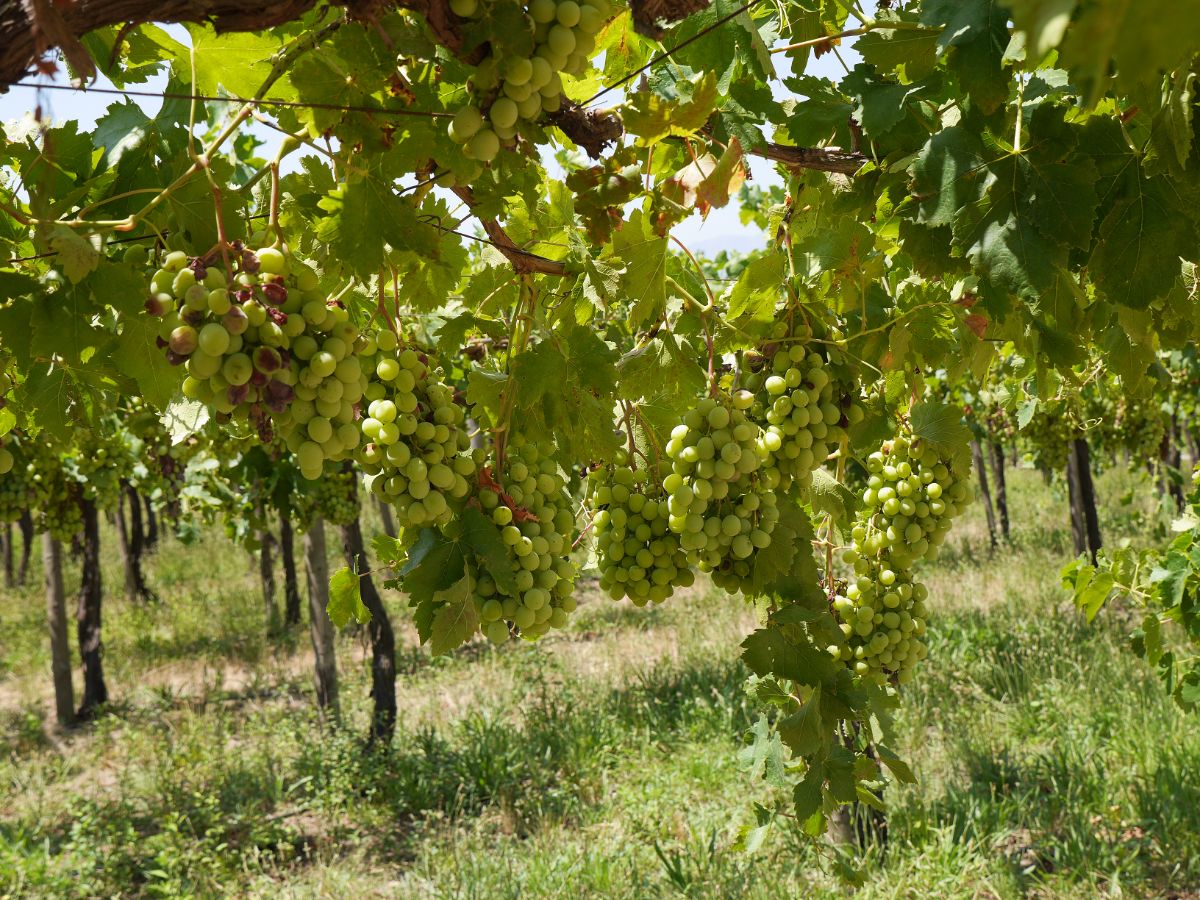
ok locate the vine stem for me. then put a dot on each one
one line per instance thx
(699, 269)
(708, 344)
(396, 324)
(381, 309)
(123, 195)
(518, 340)
(625, 420)
(855, 32)
(579, 540)
(273, 219)
(841, 476)
(222, 241)
(650, 438)
(13, 212)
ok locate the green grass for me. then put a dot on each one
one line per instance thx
(600, 762)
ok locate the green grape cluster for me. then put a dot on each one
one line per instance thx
(911, 497)
(98, 462)
(334, 497)
(161, 465)
(1049, 435)
(417, 452)
(532, 510)
(1139, 429)
(639, 557)
(58, 496)
(18, 492)
(261, 344)
(721, 489)
(510, 87)
(799, 404)
(331, 369)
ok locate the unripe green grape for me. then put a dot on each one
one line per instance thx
(543, 11)
(568, 13)
(213, 339)
(590, 19)
(503, 113)
(886, 542)
(271, 260)
(518, 70)
(561, 40)
(484, 145)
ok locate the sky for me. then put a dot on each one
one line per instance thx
(721, 230)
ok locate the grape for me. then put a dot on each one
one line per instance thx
(1050, 433)
(416, 453)
(158, 471)
(18, 491)
(639, 556)
(484, 145)
(504, 113)
(214, 339)
(58, 500)
(911, 497)
(520, 87)
(800, 404)
(721, 490)
(531, 510)
(333, 497)
(257, 340)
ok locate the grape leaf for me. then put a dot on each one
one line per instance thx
(643, 276)
(484, 539)
(949, 173)
(435, 562)
(762, 757)
(1171, 135)
(890, 49)
(1026, 411)
(941, 426)
(237, 61)
(389, 551)
(135, 354)
(839, 770)
(456, 619)
(786, 567)
(125, 128)
(1114, 41)
(898, 767)
(345, 600)
(806, 796)
(50, 391)
(831, 497)
(365, 206)
(769, 651)
(803, 730)
(753, 296)
(1145, 229)
(74, 253)
(1044, 23)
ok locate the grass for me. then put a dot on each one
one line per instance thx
(600, 762)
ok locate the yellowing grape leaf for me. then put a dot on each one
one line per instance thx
(652, 117)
